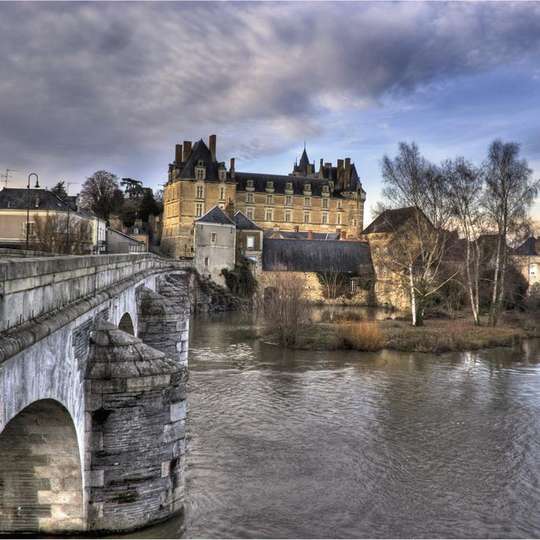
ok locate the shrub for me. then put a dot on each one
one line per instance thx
(362, 336)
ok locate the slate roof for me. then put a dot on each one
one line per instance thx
(317, 256)
(243, 223)
(301, 235)
(391, 220)
(280, 183)
(531, 247)
(216, 216)
(201, 152)
(42, 199)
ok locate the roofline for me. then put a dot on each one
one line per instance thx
(217, 206)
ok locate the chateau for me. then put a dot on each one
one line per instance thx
(327, 200)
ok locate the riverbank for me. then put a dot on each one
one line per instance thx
(436, 336)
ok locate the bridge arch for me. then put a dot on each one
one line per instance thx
(126, 324)
(41, 487)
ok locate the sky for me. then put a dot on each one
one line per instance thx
(90, 86)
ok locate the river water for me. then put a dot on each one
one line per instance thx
(297, 444)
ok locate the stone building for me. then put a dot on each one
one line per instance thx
(527, 257)
(215, 244)
(249, 240)
(329, 200)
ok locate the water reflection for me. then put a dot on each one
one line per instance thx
(347, 444)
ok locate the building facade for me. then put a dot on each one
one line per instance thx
(328, 200)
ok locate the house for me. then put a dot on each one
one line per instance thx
(215, 244)
(328, 200)
(337, 264)
(249, 240)
(21, 210)
(120, 242)
(527, 258)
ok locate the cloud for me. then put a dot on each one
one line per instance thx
(121, 82)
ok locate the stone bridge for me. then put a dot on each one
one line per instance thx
(93, 371)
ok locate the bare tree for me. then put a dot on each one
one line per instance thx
(509, 194)
(285, 304)
(464, 185)
(54, 233)
(102, 194)
(417, 252)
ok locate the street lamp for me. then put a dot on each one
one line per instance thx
(28, 205)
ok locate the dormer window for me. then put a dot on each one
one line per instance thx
(270, 185)
(222, 175)
(288, 187)
(200, 170)
(325, 190)
(249, 185)
(307, 188)
(331, 185)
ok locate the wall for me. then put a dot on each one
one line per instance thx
(121, 243)
(219, 255)
(529, 266)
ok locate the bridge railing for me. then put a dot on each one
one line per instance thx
(32, 287)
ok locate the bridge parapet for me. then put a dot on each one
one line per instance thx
(35, 286)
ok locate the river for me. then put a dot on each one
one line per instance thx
(297, 444)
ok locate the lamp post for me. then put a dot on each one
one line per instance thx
(28, 205)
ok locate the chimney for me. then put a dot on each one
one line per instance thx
(327, 165)
(347, 163)
(178, 153)
(310, 235)
(187, 150)
(212, 146)
(339, 163)
(231, 167)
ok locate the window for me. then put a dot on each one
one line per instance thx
(249, 197)
(269, 199)
(270, 185)
(338, 219)
(268, 214)
(288, 200)
(31, 228)
(250, 242)
(288, 216)
(222, 194)
(339, 205)
(200, 173)
(325, 218)
(206, 262)
(307, 201)
(198, 209)
(325, 189)
(325, 203)
(307, 188)
(213, 237)
(249, 213)
(306, 217)
(222, 174)
(288, 186)
(200, 192)
(249, 184)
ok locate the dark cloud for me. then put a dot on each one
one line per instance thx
(82, 84)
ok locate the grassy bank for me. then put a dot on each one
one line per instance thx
(435, 336)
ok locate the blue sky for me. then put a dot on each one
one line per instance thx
(114, 86)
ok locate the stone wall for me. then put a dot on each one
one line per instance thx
(136, 407)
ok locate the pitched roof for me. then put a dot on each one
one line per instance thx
(42, 199)
(531, 247)
(317, 256)
(391, 220)
(280, 183)
(201, 152)
(301, 235)
(217, 216)
(242, 222)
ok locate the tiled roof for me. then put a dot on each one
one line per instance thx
(317, 256)
(242, 222)
(280, 183)
(217, 216)
(531, 247)
(301, 235)
(42, 199)
(200, 152)
(391, 220)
